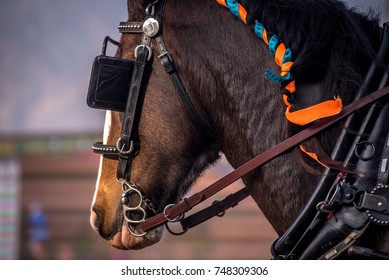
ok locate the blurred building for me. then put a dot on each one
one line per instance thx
(9, 208)
(46, 187)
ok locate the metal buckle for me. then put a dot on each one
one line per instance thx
(141, 47)
(165, 55)
(174, 220)
(121, 147)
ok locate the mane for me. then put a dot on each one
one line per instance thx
(324, 35)
(332, 45)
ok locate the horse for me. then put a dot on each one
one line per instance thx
(234, 109)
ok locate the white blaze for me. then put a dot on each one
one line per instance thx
(107, 128)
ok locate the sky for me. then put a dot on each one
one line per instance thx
(46, 53)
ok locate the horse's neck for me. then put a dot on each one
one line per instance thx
(226, 77)
(282, 186)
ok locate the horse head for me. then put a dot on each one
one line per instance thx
(173, 151)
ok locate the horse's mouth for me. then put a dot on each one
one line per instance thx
(125, 240)
(129, 237)
(119, 236)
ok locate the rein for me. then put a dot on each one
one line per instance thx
(187, 204)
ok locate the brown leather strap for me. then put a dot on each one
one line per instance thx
(188, 203)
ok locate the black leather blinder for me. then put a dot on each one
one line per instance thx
(110, 80)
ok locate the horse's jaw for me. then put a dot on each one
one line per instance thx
(124, 240)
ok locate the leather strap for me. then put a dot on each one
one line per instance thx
(217, 208)
(156, 10)
(383, 172)
(127, 142)
(188, 203)
(106, 150)
(168, 64)
(133, 27)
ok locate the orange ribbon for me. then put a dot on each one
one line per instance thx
(312, 155)
(307, 115)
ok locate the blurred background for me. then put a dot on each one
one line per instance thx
(47, 170)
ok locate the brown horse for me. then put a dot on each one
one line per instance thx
(221, 64)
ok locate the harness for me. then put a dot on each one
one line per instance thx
(342, 207)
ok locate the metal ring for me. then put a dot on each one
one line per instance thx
(144, 46)
(121, 149)
(320, 207)
(328, 203)
(176, 219)
(361, 147)
(130, 186)
(134, 210)
(175, 233)
(132, 189)
(134, 233)
(334, 195)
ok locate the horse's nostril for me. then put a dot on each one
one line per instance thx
(97, 220)
(98, 224)
(93, 220)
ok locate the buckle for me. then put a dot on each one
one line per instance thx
(122, 146)
(142, 48)
(177, 219)
(167, 62)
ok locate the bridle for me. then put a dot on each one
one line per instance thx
(127, 145)
(133, 199)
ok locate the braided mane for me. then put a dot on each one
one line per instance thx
(326, 37)
(332, 46)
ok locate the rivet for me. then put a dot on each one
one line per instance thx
(151, 27)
